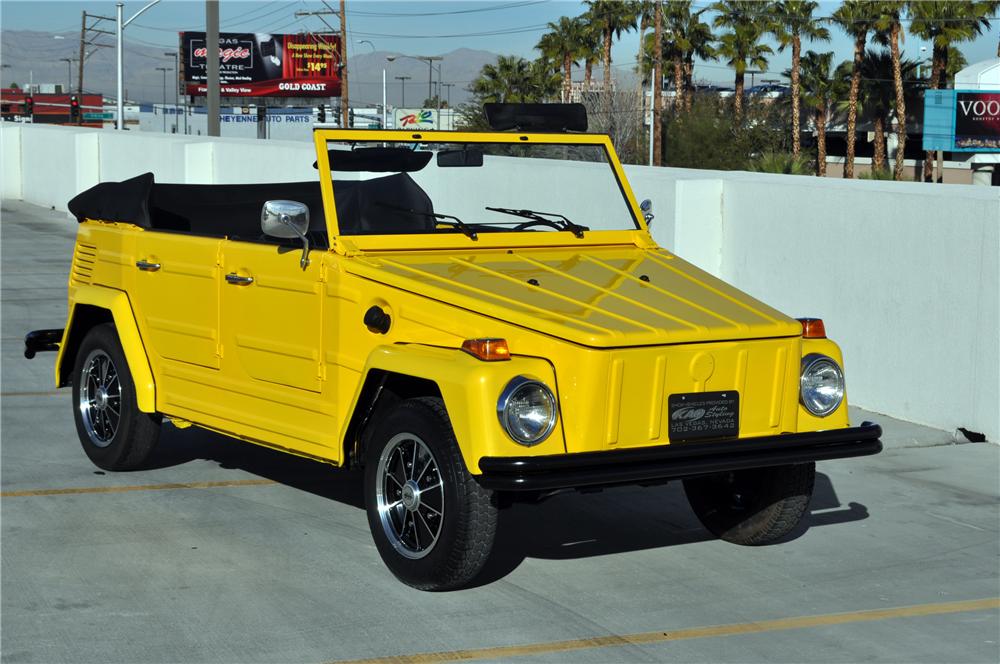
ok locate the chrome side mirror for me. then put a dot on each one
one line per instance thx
(647, 210)
(287, 219)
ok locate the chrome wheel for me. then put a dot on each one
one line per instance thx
(100, 398)
(409, 495)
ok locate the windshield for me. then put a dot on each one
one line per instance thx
(476, 188)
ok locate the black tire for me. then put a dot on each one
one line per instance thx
(752, 507)
(434, 552)
(102, 380)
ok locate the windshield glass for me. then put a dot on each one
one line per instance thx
(474, 188)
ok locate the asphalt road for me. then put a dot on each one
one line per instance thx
(224, 552)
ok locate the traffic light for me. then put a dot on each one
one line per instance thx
(29, 106)
(350, 118)
(74, 109)
(321, 114)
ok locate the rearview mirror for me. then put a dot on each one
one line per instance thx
(287, 219)
(647, 210)
(453, 158)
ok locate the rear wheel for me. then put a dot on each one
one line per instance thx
(432, 523)
(114, 433)
(752, 507)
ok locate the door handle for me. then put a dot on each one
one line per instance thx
(238, 280)
(147, 266)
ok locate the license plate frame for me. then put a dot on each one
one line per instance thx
(703, 415)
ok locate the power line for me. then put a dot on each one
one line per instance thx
(490, 33)
(513, 5)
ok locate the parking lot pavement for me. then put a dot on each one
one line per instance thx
(225, 552)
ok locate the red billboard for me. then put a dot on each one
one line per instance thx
(977, 120)
(265, 65)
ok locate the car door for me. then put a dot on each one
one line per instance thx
(272, 336)
(177, 298)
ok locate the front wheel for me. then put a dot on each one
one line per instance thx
(432, 523)
(114, 433)
(752, 507)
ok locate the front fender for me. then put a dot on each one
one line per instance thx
(117, 304)
(470, 389)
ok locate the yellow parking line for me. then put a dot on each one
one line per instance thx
(141, 487)
(505, 652)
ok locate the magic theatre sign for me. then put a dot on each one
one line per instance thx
(265, 65)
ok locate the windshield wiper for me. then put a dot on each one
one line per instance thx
(534, 215)
(461, 225)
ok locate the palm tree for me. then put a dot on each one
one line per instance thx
(944, 24)
(684, 37)
(508, 80)
(646, 17)
(545, 81)
(877, 99)
(741, 46)
(793, 22)
(589, 49)
(612, 18)
(854, 17)
(698, 42)
(956, 63)
(821, 89)
(889, 31)
(562, 44)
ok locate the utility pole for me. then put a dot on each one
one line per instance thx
(176, 55)
(212, 65)
(342, 15)
(344, 105)
(87, 35)
(164, 70)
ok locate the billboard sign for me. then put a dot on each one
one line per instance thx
(962, 120)
(265, 65)
(977, 120)
(415, 118)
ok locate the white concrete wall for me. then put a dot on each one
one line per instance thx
(906, 275)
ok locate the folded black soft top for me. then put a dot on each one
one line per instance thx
(126, 201)
(388, 204)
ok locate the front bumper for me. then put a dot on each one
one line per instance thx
(634, 466)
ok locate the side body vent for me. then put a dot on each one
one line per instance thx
(84, 260)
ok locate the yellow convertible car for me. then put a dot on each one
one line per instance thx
(469, 317)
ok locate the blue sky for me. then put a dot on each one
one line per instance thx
(415, 27)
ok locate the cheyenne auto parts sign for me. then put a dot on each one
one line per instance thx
(265, 65)
(977, 120)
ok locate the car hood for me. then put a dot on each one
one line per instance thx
(599, 297)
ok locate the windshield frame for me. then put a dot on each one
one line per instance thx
(371, 243)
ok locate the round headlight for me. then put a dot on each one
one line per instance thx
(821, 387)
(527, 410)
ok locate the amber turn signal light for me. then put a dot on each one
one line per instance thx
(488, 350)
(813, 328)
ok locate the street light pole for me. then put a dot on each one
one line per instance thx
(402, 88)
(120, 26)
(384, 107)
(177, 68)
(69, 71)
(164, 70)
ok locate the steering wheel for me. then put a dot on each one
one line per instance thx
(538, 222)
